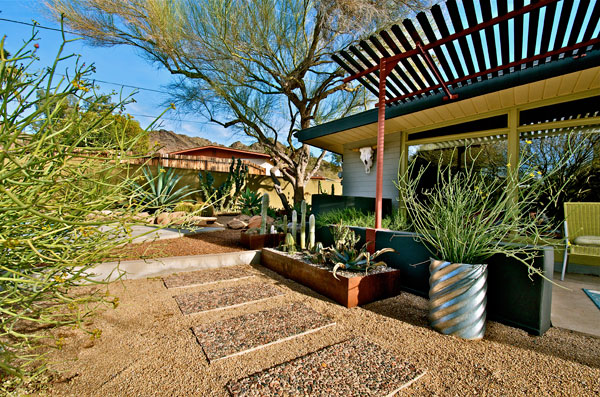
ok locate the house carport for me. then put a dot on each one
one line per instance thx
(482, 72)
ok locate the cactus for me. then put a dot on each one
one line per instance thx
(289, 245)
(333, 189)
(263, 214)
(285, 225)
(303, 226)
(311, 232)
(294, 222)
(320, 188)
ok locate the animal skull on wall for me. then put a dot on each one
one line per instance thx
(366, 156)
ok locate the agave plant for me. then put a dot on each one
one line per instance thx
(345, 255)
(159, 191)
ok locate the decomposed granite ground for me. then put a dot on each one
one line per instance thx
(147, 348)
(203, 277)
(355, 367)
(221, 298)
(251, 331)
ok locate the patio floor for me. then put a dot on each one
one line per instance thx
(572, 309)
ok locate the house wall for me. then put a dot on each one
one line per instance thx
(356, 182)
(223, 154)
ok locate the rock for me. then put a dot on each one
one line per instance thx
(201, 220)
(236, 224)
(178, 217)
(163, 219)
(244, 218)
(106, 212)
(217, 224)
(141, 217)
(255, 221)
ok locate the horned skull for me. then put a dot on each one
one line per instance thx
(366, 156)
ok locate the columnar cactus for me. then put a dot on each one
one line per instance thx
(294, 222)
(311, 232)
(303, 226)
(263, 214)
(289, 244)
(285, 226)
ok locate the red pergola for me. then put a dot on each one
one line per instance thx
(398, 71)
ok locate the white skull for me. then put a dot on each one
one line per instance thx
(366, 156)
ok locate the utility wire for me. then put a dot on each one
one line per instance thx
(37, 25)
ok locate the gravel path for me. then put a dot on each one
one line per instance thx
(147, 348)
(203, 277)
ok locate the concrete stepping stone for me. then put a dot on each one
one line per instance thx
(355, 367)
(249, 332)
(209, 276)
(224, 298)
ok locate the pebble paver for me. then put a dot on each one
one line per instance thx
(223, 298)
(253, 331)
(355, 367)
(209, 276)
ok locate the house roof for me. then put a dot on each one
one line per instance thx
(231, 151)
(471, 51)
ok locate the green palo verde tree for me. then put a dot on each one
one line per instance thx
(52, 189)
(263, 68)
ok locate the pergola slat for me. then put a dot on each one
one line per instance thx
(348, 69)
(430, 35)
(415, 36)
(355, 65)
(438, 17)
(548, 21)
(414, 83)
(518, 35)
(462, 42)
(503, 27)
(472, 20)
(486, 13)
(368, 64)
(578, 23)
(369, 50)
(562, 25)
(591, 26)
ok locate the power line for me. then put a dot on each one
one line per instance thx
(37, 25)
(125, 85)
(166, 118)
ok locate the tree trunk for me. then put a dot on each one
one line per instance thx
(299, 191)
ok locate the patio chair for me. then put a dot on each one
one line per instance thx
(582, 231)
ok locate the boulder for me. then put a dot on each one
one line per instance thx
(178, 217)
(244, 218)
(163, 219)
(236, 224)
(201, 220)
(255, 221)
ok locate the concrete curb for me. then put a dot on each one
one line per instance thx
(138, 269)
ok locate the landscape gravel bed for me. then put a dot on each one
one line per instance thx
(209, 276)
(221, 298)
(146, 348)
(244, 333)
(355, 367)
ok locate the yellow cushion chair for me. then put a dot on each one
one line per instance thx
(582, 231)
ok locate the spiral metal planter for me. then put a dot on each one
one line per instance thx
(457, 298)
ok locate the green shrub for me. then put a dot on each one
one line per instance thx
(52, 192)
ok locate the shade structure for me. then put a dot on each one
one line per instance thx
(457, 52)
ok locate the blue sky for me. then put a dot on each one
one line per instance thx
(121, 64)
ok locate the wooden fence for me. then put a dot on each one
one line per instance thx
(199, 163)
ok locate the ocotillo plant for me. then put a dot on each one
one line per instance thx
(294, 222)
(311, 232)
(285, 226)
(263, 214)
(303, 226)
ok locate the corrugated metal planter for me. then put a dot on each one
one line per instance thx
(457, 298)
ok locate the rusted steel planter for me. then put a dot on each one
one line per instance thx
(258, 241)
(347, 291)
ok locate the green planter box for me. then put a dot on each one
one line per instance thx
(513, 298)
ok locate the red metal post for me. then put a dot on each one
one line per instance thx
(380, 143)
